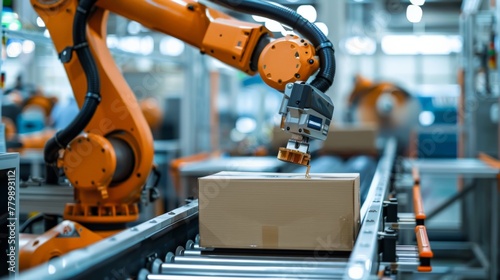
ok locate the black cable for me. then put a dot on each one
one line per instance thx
(39, 217)
(324, 48)
(157, 174)
(29, 223)
(93, 97)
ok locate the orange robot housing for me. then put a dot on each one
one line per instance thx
(109, 163)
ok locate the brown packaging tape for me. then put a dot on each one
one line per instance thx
(270, 236)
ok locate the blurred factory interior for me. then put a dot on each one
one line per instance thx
(416, 114)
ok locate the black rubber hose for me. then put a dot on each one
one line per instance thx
(93, 97)
(325, 77)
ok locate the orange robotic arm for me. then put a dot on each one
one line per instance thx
(109, 164)
(237, 43)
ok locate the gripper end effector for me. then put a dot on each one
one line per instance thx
(294, 156)
(306, 113)
(297, 156)
(296, 151)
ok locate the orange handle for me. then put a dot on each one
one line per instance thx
(176, 164)
(424, 249)
(418, 207)
(416, 175)
(489, 160)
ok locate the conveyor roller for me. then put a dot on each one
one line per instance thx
(209, 263)
(145, 276)
(242, 261)
(250, 271)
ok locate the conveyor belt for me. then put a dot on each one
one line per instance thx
(222, 265)
(207, 265)
(143, 250)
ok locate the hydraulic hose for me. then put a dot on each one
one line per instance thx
(93, 97)
(324, 48)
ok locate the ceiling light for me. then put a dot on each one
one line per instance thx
(274, 26)
(39, 22)
(423, 44)
(426, 118)
(259, 18)
(400, 44)
(147, 45)
(322, 26)
(15, 25)
(130, 44)
(358, 45)
(171, 46)
(434, 44)
(14, 49)
(308, 12)
(134, 27)
(417, 2)
(112, 41)
(414, 13)
(28, 46)
(245, 125)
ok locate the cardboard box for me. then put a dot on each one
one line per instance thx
(351, 139)
(245, 210)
